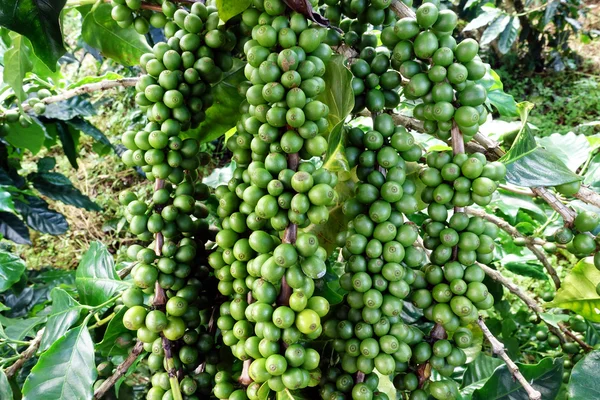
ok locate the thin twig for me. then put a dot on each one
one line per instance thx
(498, 349)
(402, 10)
(567, 214)
(511, 230)
(120, 371)
(26, 355)
(587, 195)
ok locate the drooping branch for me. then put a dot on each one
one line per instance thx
(498, 349)
(511, 230)
(26, 355)
(120, 371)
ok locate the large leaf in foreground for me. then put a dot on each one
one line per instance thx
(583, 383)
(578, 291)
(11, 269)
(64, 313)
(39, 21)
(478, 372)
(96, 278)
(65, 371)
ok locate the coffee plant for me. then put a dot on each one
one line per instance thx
(367, 241)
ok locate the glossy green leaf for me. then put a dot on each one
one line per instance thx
(5, 389)
(65, 371)
(87, 128)
(123, 45)
(96, 279)
(488, 15)
(592, 175)
(335, 158)
(109, 76)
(474, 350)
(529, 165)
(510, 203)
(78, 106)
(494, 29)
(545, 377)
(69, 139)
(531, 269)
(12, 228)
(108, 345)
(264, 391)
(478, 372)
(38, 216)
(570, 148)
(6, 201)
(225, 111)
(509, 35)
(287, 394)
(583, 383)
(504, 102)
(338, 96)
(550, 12)
(19, 329)
(17, 63)
(11, 269)
(220, 176)
(59, 187)
(553, 319)
(229, 9)
(64, 313)
(31, 138)
(578, 291)
(329, 285)
(39, 21)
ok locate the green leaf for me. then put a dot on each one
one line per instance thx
(108, 346)
(90, 130)
(6, 201)
(592, 175)
(70, 141)
(31, 138)
(3, 307)
(329, 285)
(570, 148)
(229, 9)
(474, 350)
(494, 30)
(64, 313)
(39, 21)
(123, 45)
(17, 63)
(132, 368)
(59, 187)
(264, 391)
(109, 76)
(509, 35)
(71, 108)
(335, 158)
(287, 394)
(531, 269)
(478, 372)
(529, 165)
(578, 291)
(220, 176)
(489, 14)
(553, 319)
(545, 377)
(583, 383)
(550, 12)
(505, 103)
(96, 279)
(65, 371)
(38, 216)
(11, 269)
(12, 228)
(5, 389)
(225, 111)
(510, 203)
(339, 95)
(19, 329)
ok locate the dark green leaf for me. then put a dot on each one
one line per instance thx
(59, 187)
(478, 372)
(570, 148)
(65, 371)
(17, 63)
(11, 269)
(45, 164)
(509, 35)
(123, 45)
(90, 130)
(31, 138)
(494, 30)
(108, 347)
(6, 392)
(66, 110)
(6, 201)
(229, 9)
(19, 329)
(39, 21)
(96, 278)
(545, 377)
(12, 228)
(531, 269)
(38, 216)
(578, 291)
(225, 111)
(550, 12)
(529, 165)
(70, 140)
(64, 313)
(329, 285)
(583, 383)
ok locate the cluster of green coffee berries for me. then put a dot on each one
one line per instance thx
(441, 73)
(337, 384)
(131, 12)
(35, 103)
(176, 91)
(460, 180)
